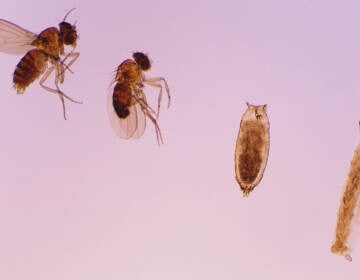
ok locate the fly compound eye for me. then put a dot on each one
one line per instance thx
(68, 33)
(142, 60)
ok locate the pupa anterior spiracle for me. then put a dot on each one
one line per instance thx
(349, 211)
(252, 147)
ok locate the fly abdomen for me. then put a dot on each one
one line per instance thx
(30, 67)
(250, 156)
(122, 99)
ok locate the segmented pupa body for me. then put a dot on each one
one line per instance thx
(252, 147)
(349, 211)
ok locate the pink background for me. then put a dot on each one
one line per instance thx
(76, 202)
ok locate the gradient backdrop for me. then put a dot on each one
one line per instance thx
(76, 202)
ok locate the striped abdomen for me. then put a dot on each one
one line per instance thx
(30, 67)
(122, 99)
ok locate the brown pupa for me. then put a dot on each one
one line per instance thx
(252, 147)
(349, 211)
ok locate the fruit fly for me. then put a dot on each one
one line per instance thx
(44, 54)
(252, 148)
(127, 105)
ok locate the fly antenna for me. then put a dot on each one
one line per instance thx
(68, 13)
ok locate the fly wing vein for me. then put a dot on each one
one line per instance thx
(15, 39)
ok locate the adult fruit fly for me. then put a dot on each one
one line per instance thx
(127, 104)
(252, 147)
(44, 54)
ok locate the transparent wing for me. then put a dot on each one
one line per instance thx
(128, 125)
(133, 126)
(140, 117)
(140, 121)
(15, 39)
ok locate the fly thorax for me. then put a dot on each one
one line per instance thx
(48, 41)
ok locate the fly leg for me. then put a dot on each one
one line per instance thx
(139, 96)
(57, 69)
(73, 56)
(157, 128)
(57, 90)
(155, 82)
(149, 113)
